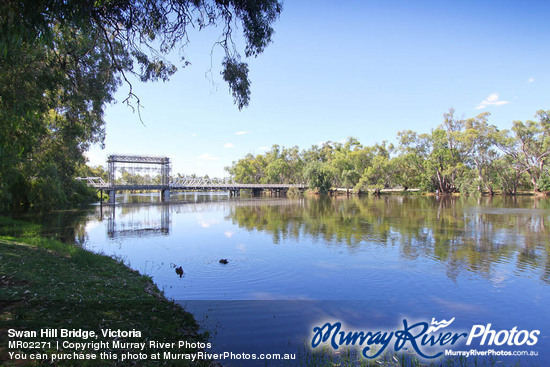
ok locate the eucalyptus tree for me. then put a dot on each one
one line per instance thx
(62, 61)
(414, 152)
(342, 165)
(247, 170)
(276, 169)
(510, 176)
(378, 173)
(51, 110)
(479, 139)
(528, 147)
(407, 170)
(460, 155)
(319, 176)
(283, 165)
(439, 157)
(147, 30)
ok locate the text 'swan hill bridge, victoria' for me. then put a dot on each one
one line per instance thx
(125, 173)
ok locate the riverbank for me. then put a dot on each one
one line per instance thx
(47, 284)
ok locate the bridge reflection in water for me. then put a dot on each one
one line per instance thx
(138, 216)
(132, 222)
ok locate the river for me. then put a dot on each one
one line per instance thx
(369, 263)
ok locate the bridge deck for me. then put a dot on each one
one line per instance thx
(186, 184)
(201, 187)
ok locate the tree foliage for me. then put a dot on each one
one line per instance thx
(528, 147)
(62, 61)
(147, 30)
(469, 156)
(51, 110)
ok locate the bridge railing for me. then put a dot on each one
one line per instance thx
(222, 185)
(96, 182)
(191, 181)
(187, 182)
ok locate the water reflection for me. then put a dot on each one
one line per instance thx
(464, 234)
(63, 225)
(132, 224)
(480, 260)
(141, 215)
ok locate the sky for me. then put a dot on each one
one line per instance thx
(363, 69)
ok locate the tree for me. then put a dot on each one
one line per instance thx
(479, 141)
(442, 154)
(460, 155)
(319, 176)
(62, 61)
(147, 30)
(407, 170)
(379, 173)
(510, 176)
(414, 151)
(247, 170)
(528, 146)
(341, 163)
(51, 110)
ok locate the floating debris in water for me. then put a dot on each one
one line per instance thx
(223, 261)
(179, 271)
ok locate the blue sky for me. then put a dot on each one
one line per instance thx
(366, 69)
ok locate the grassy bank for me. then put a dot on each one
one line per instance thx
(48, 284)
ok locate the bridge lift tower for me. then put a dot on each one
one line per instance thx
(136, 163)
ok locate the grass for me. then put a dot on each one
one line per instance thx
(45, 283)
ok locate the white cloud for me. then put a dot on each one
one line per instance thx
(206, 223)
(531, 80)
(208, 157)
(492, 100)
(228, 234)
(228, 145)
(242, 132)
(263, 148)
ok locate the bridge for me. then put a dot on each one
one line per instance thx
(121, 165)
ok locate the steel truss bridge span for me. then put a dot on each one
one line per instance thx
(164, 183)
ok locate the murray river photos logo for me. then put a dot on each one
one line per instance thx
(426, 340)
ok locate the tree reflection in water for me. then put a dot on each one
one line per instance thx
(470, 234)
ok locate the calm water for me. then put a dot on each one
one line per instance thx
(369, 262)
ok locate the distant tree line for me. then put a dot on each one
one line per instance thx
(468, 156)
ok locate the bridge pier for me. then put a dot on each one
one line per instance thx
(165, 195)
(112, 196)
(256, 192)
